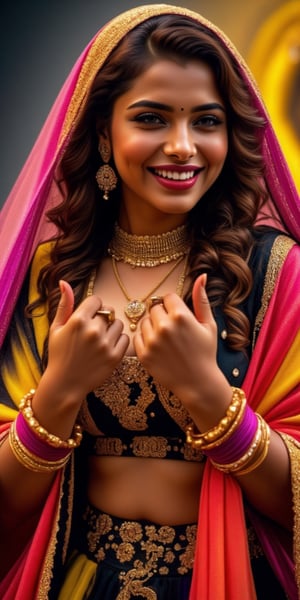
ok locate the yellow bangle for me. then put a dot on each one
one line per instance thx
(51, 439)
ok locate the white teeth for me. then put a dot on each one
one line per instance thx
(175, 174)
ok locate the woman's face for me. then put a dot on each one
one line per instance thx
(169, 142)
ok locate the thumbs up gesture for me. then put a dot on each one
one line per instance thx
(179, 349)
(83, 347)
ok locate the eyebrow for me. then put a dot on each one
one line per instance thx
(167, 107)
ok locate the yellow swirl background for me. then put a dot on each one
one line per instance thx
(274, 59)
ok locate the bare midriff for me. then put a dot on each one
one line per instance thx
(158, 490)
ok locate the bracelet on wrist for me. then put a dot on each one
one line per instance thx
(254, 455)
(239, 443)
(37, 446)
(218, 434)
(51, 439)
(235, 445)
(31, 461)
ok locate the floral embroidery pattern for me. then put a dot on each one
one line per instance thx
(144, 549)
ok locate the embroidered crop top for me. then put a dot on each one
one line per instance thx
(133, 415)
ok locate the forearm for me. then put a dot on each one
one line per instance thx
(22, 496)
(23, 492)
(25, 483)
(268, 486)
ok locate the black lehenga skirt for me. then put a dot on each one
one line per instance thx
(117, 559)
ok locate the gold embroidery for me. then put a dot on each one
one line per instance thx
(151, 447)
(131, 531)
(280, 249)
(146, 447)
(116, 394)
(147, 549)
(108, 447)
(47, 573)
(293, 447)
(190, 453)
(173, 406)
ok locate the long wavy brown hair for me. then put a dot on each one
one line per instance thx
(222, 222)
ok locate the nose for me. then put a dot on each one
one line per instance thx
(180, 143)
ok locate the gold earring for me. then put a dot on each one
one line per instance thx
(105, 176)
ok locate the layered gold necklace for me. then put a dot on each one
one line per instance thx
(146, 251)
(136, 308)
(149, 250)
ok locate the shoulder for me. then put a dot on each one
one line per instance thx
(41, 258)
(270, 245)
(269, 257)
(42, 255)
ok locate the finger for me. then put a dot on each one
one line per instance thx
(173, 304)
(146, 328)
(89, 306)
(201, 304)
(138, 344)
(65, 305)
(108, 314)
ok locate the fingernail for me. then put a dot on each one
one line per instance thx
(204, 280)
(61, 286)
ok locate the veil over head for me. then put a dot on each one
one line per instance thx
(24, 225)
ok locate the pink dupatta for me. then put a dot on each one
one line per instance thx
(222, 531)
(272, 386)
(22, 221)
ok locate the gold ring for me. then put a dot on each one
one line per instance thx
(109, 315)
(153, 300)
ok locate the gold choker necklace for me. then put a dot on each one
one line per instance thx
(149, 250)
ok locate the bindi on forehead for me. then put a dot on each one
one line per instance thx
(181, 108)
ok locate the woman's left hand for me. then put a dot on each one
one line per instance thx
(179, 350)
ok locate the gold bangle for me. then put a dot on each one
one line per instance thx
(51, 439)
(255, 454)
(247, 456)
(262, 454)
(30, 460)
(231, 429)
(216, 435)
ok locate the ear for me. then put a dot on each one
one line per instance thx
(103, 134)
(104, 142)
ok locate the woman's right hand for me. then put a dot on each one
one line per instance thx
(83, 351)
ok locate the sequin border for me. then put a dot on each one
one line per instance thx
(293, 447)
(280, 249)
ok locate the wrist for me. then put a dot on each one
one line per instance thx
(208, 401)
(55, 407)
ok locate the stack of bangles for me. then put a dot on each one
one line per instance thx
(240, 441)
(34, 447)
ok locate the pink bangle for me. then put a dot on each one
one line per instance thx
(36, 445)
(237, 444)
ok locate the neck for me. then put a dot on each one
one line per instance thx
(150, 222)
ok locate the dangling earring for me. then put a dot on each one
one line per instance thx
(105, 176)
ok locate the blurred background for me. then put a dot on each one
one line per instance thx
(40, 40)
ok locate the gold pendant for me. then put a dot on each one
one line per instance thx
(134, 310)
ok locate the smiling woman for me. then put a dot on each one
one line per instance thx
(158, 148)
(155, 255)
